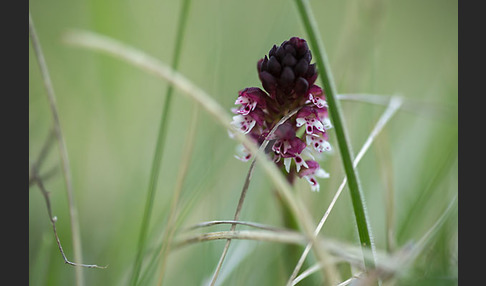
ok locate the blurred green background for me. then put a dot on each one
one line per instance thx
(110, 112)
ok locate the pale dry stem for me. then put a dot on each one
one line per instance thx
(53, 220)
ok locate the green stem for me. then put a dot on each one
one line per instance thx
(319, 52)
(292, 252)
(159, 148)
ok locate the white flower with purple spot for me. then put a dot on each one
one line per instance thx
(242, 153)
(299, 163)
(319, 102)
(243, 123)
(326, 122)
(318, 142)
(311, 172)
(311, 122)
(247, 105)
(250, 98)
(316, 96)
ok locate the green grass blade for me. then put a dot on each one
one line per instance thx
(319, 52)
(159, 148)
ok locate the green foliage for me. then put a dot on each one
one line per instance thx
(110, 113)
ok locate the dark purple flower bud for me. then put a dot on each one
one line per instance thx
(301, 86)
(274, 66)
(269, 83)
(272, 51)
(301, 67)
(280, 53)
(289, 60)
(308, 56)
(311, 74)
(289, 49)
(299, 44)
(262, 64)
(287, 77)
(289, 64)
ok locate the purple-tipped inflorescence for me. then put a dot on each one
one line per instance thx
(288, 78)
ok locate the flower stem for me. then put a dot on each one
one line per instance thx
(319, 52)
(292, 251)
(159, 148)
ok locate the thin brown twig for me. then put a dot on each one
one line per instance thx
(40, 159)
(244, 191)
(36, 179)
(45, 176)
(75, 229)
(53, 220)
(44, 151)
